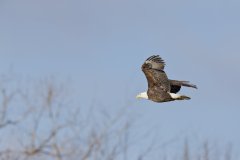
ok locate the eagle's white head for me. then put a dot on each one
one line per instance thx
(142, 95)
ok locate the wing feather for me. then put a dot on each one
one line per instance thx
(156, 62)
(156, 77)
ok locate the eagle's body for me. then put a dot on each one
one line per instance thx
(160, 88)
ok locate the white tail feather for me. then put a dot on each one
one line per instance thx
(175, 96)
(179, 96)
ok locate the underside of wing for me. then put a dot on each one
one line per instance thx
(176, 85)
(175, 88)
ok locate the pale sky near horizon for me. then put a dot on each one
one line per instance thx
(101, 46)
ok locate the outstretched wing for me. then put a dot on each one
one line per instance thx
(156, 77)
(176, 85)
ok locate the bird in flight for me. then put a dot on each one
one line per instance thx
(160, 88)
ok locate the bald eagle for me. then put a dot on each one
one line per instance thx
(160, 88)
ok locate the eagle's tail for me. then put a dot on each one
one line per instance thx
(179, 96)
(182, 83)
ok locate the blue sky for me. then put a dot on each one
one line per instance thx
(101, 45)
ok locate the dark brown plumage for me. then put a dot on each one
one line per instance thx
(160, 88)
